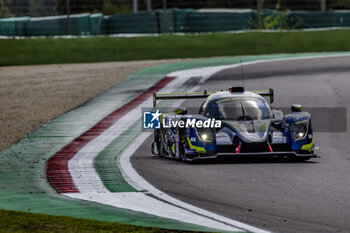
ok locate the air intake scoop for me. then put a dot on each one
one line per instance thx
(236, 89)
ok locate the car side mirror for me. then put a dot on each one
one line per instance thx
(180, 111)
(297, 108)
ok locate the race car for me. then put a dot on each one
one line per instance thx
(233, 123)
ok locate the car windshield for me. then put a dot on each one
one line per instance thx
(236, 109)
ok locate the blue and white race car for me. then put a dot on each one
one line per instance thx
(233, 123)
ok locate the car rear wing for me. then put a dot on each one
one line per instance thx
(191, 95)
(205, 94)
(266, 93)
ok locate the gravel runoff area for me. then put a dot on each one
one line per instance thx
(30, 96)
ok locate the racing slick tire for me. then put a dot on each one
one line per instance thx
(181, 146)
(182, 154)
(160, 146)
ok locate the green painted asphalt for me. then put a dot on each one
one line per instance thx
(23, 185)
(106, 165)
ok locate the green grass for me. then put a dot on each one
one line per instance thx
(100, 49)
(16, 221)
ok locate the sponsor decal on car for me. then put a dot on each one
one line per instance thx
(190, 151)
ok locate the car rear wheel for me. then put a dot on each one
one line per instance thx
(182, 154)
(158, 140)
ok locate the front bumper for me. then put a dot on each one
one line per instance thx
(254, 154)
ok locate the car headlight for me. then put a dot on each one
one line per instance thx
(299, 130)
(205, 134)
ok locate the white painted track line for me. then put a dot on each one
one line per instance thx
(134, 179)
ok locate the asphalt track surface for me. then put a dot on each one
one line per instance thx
(273, 194)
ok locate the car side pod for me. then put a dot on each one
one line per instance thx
(154, 149)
